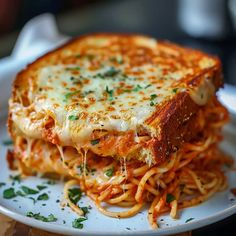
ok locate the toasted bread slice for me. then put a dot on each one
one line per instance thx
(123, 96)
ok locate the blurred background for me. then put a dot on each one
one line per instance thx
(209, 25)
(206, 24)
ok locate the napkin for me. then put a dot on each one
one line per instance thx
(37, 37)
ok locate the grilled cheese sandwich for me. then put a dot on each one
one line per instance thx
(119, 96)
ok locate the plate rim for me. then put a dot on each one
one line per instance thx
(57, 228)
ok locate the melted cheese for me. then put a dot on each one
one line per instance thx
(103, 87)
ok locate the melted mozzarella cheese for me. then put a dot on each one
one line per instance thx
(104, 105)
(111, 92)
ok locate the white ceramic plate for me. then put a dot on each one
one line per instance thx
(223, 204)
(220, 206)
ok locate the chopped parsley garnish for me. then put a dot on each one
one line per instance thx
(33, 199)
(175, 90)
(85, 169)
(51, 182)
(37, 216)
(41, 187)
(15, 178)
(85, 93)
(2, 184)
(9, 193)
(152, 97)
(29, 191)
(95, 141)
(85, 210)
(149, 85)
(73, 117)
(70, 94)
(99, 75)
(111, 72)
(170, 198)
(137, 88)
(7, 142)
(152, 103)
(20, 193)
(77, 223)
(110, 93)
(74, 194)
(43, 197)
(189, 219)
(109, 172)
(73, 68)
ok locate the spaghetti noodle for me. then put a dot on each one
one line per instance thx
(190, 176)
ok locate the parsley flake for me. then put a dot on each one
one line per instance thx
(95, 141)
(74, 194)
(84, 168)
(33, 199)
(152, 103)
(15, 178)
(77, 223)
(85, 210)
(153, 96)
(73, 68)
(111, 72)
(189, 219)
(7, 142)
(175, 90)
(137, 88)
(70, 94)
(29, 191)
(73, 117)
(41, 187)
(37, 216)
(117, 59)
(51, 182)
(110, 93)
(9, 193)
(109, 172)
(2, 184)
(170, 198)
(20, 193)
(149, 85)
(43, 197)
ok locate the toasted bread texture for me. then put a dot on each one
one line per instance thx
(121, 96)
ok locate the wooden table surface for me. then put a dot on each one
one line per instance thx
(10, 227)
